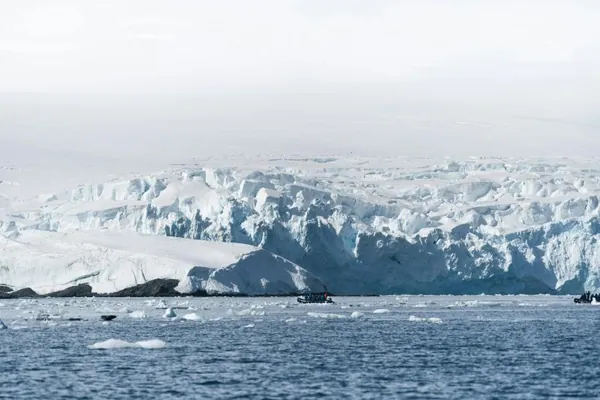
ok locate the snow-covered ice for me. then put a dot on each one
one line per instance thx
(357, 224)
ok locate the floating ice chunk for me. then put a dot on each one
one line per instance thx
(248, 326)
(381, 311)
(244, 312)
(192, 317)
(169, 313)
(290, 320)
(152, 344)
(356, 314)
(121, 344)
(433, 320)
(325, 315)
(138, 314)
(2, 326)
(161, 305)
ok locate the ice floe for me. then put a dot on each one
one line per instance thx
(121, 344)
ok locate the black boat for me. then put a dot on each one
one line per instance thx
(587, 298)
(315, 298)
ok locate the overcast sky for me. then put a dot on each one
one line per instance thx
(181, 78)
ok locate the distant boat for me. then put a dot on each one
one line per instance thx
(315, 298)
(588, 298)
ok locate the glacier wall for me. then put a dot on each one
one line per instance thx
(366, 226)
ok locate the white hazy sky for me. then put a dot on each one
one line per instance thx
(180, 78)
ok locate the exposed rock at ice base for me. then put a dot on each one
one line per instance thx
(366, 225)
(110, 261)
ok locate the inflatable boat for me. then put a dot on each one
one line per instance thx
(315, 298)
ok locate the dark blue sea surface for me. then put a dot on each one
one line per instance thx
(432, 347)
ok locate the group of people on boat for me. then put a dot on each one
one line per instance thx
(588, 297)
(315, 298)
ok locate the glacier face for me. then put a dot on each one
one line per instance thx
(362, 225)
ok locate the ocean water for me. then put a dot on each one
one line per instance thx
(430, 347)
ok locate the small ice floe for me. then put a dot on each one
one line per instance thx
(433, 320)
(169, 313)
(2, 325)
(356, 314)
(161, 305)
(122, 344)
(248, 326)
(326, 315)
(467, 303)
(192, 317)
(290, 320)
(381, 311)
(138, 314)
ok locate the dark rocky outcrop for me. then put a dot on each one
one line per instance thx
(153, 288)
(5, 289)
(81, 290)
(19, 294)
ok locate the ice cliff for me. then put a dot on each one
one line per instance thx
(359, 225)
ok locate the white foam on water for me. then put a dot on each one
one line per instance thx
(356, 314)
(290, 320)
(326, 315)
(122, 344)
(381, 311)
(248, 326)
